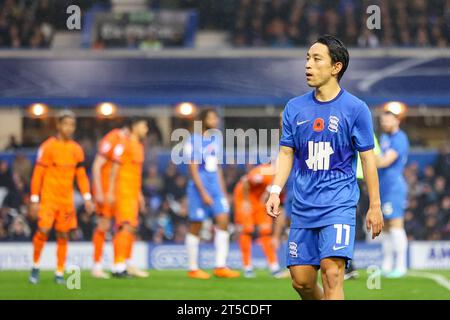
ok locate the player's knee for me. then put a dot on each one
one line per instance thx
(62, 235)
(265, 232)
(303, 285)
(44, 231)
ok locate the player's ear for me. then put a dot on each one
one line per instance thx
(337, 67)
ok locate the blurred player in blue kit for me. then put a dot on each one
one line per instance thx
(206, 194)
(322, 132)
(393, 189)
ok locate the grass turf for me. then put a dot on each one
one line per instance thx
(174, 285)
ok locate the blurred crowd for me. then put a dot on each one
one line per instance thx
(165, 218)
(288, 23)
(258, 23)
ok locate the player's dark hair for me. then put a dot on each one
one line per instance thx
(204, 113)
(63, 114)
(129, 122)
(390, 112)
(338, 51)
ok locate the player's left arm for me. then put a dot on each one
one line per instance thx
(83, 182)
(374, 218)
(386, 159)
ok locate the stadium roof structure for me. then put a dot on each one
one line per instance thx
(232, 78)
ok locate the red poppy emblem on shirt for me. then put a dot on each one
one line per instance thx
(318, 125)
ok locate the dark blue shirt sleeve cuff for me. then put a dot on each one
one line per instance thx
(362, 149)
(287, 144)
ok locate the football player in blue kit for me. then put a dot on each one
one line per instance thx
(322, 132)
(393, 190)
(206, 195)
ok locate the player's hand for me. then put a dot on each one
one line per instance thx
(89, 206)
(34, 209)
(206, 198)
(374, 221)
(273, 205)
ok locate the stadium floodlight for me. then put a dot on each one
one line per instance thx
(396, 107)
(38, 110)
(106, 109)
(186, 109)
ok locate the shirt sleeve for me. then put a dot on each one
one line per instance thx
(105, 147)
(400, 145)
(287, 137)
(118, 152)
(44, 155)
(362, 130)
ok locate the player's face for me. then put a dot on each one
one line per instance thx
(388, 122)
(66, 127)
(319, 67)
(211, 120)
(141, 129)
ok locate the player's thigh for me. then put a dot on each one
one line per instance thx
(303, 248)
(337, 240)
(46, 216)
(66, 219)
(127, 212)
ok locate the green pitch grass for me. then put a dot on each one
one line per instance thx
(175, 285)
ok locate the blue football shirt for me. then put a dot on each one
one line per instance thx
(206, 151)
(391, 178)
(325, 137)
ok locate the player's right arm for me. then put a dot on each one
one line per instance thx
(42, 162)
(284, 165)
(97, 166)
(193, 170)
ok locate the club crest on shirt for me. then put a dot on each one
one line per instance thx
(333, 124)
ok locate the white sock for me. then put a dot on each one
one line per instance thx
(36, 265)
(192, 242)
(388, 251)
(222, 244)
(120, 267)
(274, 267)
(400, 242)
(98, 266)
(59, 274)
(248, 268)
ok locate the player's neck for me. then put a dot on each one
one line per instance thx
(60, 137)
(395, 130)
(327, 92)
